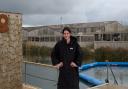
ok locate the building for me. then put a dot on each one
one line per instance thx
(88, 34)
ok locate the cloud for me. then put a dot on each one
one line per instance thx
(45, 12)
(106, 10)
(52, 19)
(38, 6)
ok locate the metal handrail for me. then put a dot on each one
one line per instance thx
(37, 76)
(47, 65)
(107, 80)
(115, 81)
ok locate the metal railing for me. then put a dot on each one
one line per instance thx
(107, 79)
(40, 75)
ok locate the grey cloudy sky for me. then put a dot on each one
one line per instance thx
(47, 12)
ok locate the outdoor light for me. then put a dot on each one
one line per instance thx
(3, 23)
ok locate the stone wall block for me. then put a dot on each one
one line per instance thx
(11, 53)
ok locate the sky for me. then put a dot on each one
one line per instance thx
(52, 12)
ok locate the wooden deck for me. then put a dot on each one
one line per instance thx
(109, 86)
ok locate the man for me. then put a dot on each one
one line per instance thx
(66, 56)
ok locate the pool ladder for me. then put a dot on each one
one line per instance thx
(107, 79)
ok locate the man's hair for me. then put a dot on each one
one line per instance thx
(66, 29)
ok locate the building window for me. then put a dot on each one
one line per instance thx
(46, 39)
(125, 36)
(102, 28)
(84, 30)
(36, 39)
(87, 38)
(97, 37)
(106, 37)
(42, 39)
(58, 38)
(116, 37)
(52, 39)
(93, 29)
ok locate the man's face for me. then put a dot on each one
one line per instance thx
(66, 35)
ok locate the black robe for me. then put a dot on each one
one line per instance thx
(67, 53)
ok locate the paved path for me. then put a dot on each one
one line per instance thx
(109, 86)
(29, 87)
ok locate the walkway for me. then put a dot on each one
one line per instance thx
(29, 87)
(109, 86)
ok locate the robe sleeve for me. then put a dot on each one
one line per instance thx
(78, 55)
(55, 55)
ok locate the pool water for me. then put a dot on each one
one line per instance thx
(120, 73)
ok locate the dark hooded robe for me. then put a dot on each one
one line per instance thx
(67, 53)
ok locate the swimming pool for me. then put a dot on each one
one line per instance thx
(121, 74)
(100, 73)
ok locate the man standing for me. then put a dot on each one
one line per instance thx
(66, 56)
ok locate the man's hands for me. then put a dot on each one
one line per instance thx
(59, 65)
(73, 64)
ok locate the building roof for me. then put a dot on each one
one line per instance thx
(73, 25)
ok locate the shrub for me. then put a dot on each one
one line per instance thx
(88, 55)
(111, 54)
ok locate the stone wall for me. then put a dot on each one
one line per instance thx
(11, 53)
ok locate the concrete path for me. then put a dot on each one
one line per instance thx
(109, 86)
(29, 87)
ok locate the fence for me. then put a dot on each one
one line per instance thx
(40, 75)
